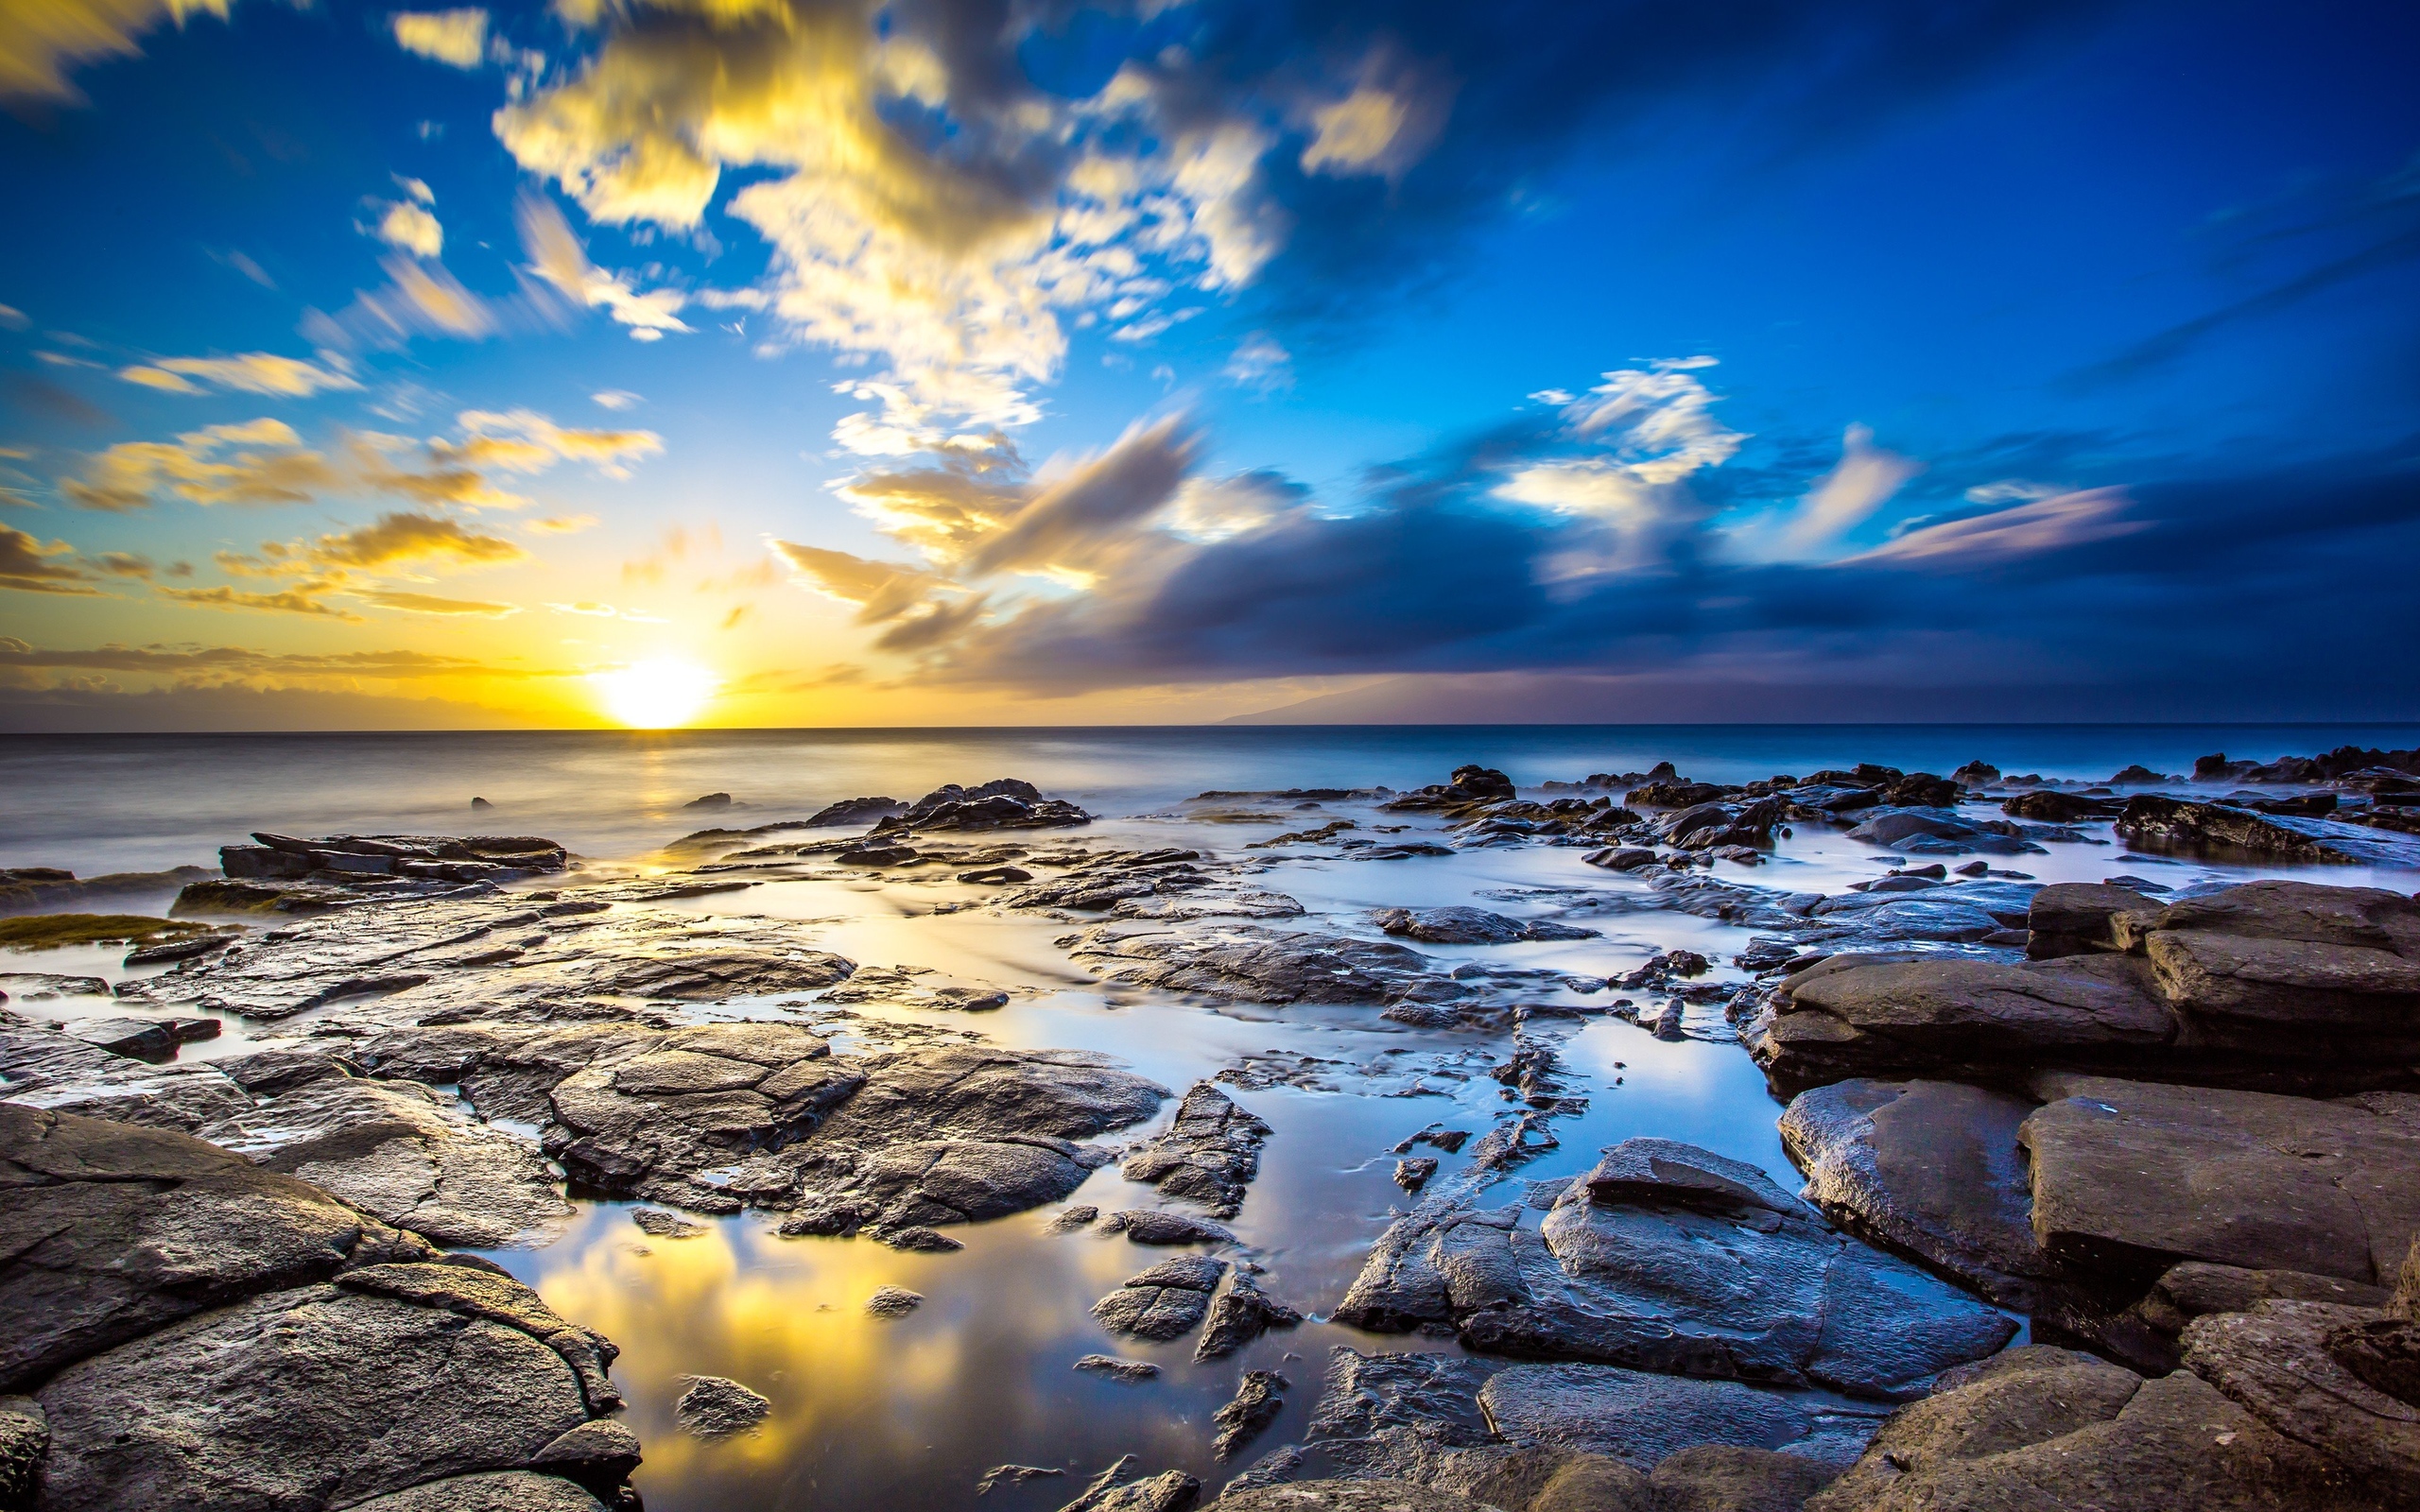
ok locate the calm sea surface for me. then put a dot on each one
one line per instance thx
(869, 1411)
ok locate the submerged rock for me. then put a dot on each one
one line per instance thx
(1668, 1258)
(42, 1068)
(716, 1407)
(1165, 1302)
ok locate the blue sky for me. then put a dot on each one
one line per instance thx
(995, 363)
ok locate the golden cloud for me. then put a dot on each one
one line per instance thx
(556, 256)
(30, 567)
(300, 599)
(429, 604)
(259, 462)
(40, 38)
(411, 228)
(252, 373)
(401, 537)
(231, 661)
(458, 37)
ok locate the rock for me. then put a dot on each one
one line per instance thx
(498, 1491)
(2289, 1362)
(1470, 926)
(1254, 1407)
(893, 1301)
(242, 1406)
(600, 1454)
(1131, 1372)
(136, 1038)
(24, 1437)
(2043, 1427)
(990, 876)
(715, 1407)
(2136, 1176)
(42, 987)
(2152, 822)
(2047, 805)
(1868, 1015)
(1731, 1478)
(1149, 1225)
(1208, 1155)
(1927, 1168)
(1412, 1173)
(1622, 858)
(400, 1152)
(658, 1223)
(112, 1231)
(875, 855)
(2193, 1288)
(1169, 1492)
(2078, 918)
(854, 810)
(923, 1241)
(929, 1184)
(1165, 1302)
(1240, 1313)
(1642, 1418)
(1015, 1475)
(1006, 804)
(1253, 964)
(1349, 1496)
(1469, 784)
(712, 800)
(1673, 1259)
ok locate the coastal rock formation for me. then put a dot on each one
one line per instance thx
(1165, 1302)
(42, 1068)
(1208, 1155)
(1667, 1258)
(1005, 804)
(1253, 963)
(2280, 984)
(2154, 821)
(1470, 926)
(1240, 1313)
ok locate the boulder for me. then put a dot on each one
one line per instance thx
(112, 1231)
(1254, 1407)
(2134, 1177)
(2078, 918)
(2046, 1428)
(442, 1371)
(1253, 964)
(1672, 1259)
(718, 1407)
(1240, 1313)
(1930, 1169)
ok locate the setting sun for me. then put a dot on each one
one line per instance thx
(661, 693)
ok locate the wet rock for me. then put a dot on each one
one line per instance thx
(2137, 1175)
(1468, 784)
(1165, 1302)
(996, 876)
(41, 1067)
(1109, 1491)
(400, 1152)
(2153, 822)
(716, 1407)
(1622, 858)
(1412, 1173)
(656, 1223)
(921, 1241)
(2050, 806)
(1927, 1168)
(1255, 1406)
(24, 1437)
(852, 810)
(112, 1231)
(2078, 918)
(496, 1491)
(1669, 1258)
(893, 1301)
(1470, 926)
(1208, 1155)
(241, 1406)
(1643, 1417)
(1253, 964)
(2193, 1288)
(1150, 1225)
(1731, 1478)
(1939, 832)
(875, 855)
(2043, 1427)
(1867, 1015)
(1131, 1372)
(1350, 1496)
(1006, 804)
(1240, 1313)
(938, 1182)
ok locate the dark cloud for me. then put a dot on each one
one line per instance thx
(30, 567)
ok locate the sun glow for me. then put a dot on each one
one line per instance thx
(662, 693)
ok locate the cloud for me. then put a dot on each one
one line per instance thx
(1261, 362)
(560, 524)
(882, 591)
(303, 598)
(260, 462)
(411, 228)
(1865, 478)
(523, 440)
(39, 38)
(556, 256)
(404, 536)
(2026, 530)
(428, 604)
(617, 398)
(30, 567)
(250, 372)
(419, 298)
(457, 37)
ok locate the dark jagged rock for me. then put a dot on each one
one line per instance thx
(1112, 1491)
(26, 889)
(112, 1231)
(1128, 1372)
(2153, 822)
(1209, 1154)
(1467, 785)
(1006, 804)
(2047, 805)
(852, 810)
(1470, 926)
(1150, 1225)
(1672, 1259)
(1165, 1302)
(1254, 1407)
(1240, 1313)
(2044, 1427)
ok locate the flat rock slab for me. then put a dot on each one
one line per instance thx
(1470, 926)
(1253, 964)
(1642, 1419)
(2283, 1361)
(1164, 1301)
(2044, 1428)
(41, 1067)
(2137, 1175)
(1927, 1168)
(497, 1491)
(246, 1406)
(1674, 1259)
(110, 1230)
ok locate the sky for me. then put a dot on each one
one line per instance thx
(831, 362)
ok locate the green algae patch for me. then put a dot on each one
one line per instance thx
(45, 932)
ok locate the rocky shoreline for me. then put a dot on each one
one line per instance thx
(2175, 1132)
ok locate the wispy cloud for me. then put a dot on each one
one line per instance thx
(457, 38)
(250, 372)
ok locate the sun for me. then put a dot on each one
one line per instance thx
(661, 693)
